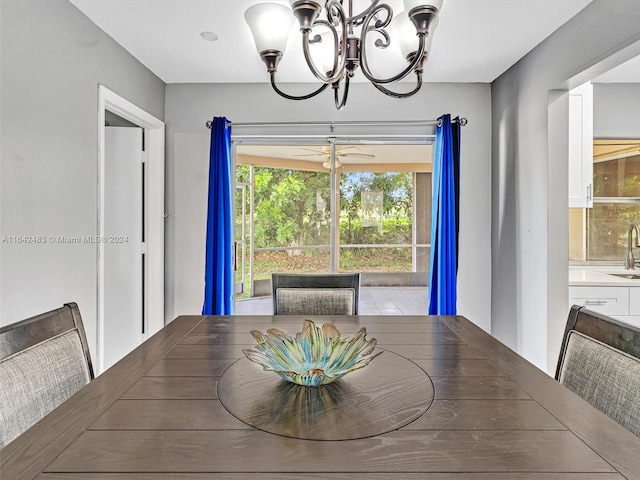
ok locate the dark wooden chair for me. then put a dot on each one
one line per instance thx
(43, 361)
(315, 294)
(600, 361)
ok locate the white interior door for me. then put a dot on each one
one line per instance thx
(123, 243)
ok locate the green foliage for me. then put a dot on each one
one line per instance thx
(397, 202)
(242, 174)
(292, 207)
(316, 261)
(608, 222)
(394, 230)
(288, 207)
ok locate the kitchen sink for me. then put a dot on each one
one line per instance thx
(630, 276)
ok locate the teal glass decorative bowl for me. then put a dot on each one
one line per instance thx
(315, 356)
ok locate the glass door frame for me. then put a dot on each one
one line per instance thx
(239, 288)
(319, 140)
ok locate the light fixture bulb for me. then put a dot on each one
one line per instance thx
(404, 32)
(323, 52)
(270, 25)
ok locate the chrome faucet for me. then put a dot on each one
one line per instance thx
(630, 261)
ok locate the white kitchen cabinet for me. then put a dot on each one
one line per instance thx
(612, 301)
(634, 301)
(581, 146)
(622, 303)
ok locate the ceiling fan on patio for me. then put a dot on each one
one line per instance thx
(340, 153)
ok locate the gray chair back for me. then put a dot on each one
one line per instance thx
(43, 361)
(315, 294)
(600, 361)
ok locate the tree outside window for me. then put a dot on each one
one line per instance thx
(616, 204)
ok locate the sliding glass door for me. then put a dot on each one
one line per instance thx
(385, 206)
(377, 223)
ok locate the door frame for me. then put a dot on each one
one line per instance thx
(332, 141)
(154, 134)
(242, 186)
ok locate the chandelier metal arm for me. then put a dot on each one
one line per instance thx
(339, 46)
(393, 94)
(379, 25)
(415, 63)
(294, 97)
(345, 93)
(338, 70)
(345, 51)
(358, 19)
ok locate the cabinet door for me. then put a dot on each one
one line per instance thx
(581, 146)
(634, 301)
(607, 300)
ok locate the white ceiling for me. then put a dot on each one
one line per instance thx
(476, 40)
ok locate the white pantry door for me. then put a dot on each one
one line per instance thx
(123, 243)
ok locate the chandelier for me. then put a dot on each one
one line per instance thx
(332, 49)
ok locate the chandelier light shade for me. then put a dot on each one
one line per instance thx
(271, 25)
(322, 52)
(404, 32)
(334, 40)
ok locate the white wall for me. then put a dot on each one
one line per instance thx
(188, 106)
(53, 59)
(529, 215)
(616, 110)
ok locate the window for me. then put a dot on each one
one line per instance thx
(376, 222)
(600, 233)
(381, 218)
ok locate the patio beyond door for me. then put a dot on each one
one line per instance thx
(317, 209)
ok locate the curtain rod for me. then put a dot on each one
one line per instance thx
(463, 122)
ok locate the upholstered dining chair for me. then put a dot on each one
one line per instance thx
(43, 361)
(600, 361)
(315, 294)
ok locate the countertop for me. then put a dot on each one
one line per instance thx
(601, 277)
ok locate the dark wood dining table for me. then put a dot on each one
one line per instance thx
(459, 405)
